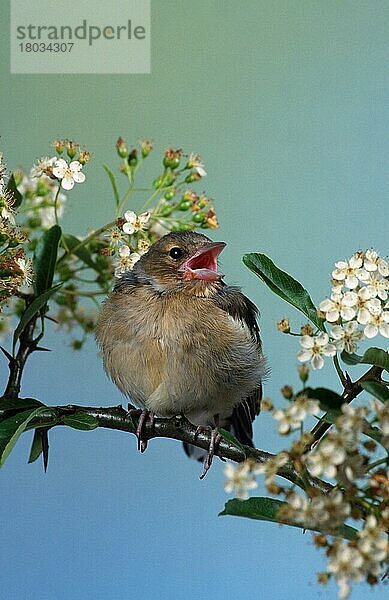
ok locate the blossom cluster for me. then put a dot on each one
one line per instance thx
(357, 308)
(352, 455)
(41, 188)
(87, 264)
(177, 206)
(359, 559)
(240, 479)
(323, 512)
(15, 268)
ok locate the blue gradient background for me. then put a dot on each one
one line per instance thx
(287, 103)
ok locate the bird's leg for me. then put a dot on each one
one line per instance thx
(213, 443)
(144, 416)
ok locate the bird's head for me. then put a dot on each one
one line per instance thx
(180, 260)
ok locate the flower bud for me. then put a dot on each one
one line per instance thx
(320, 540)
(84, 157)
(121, 148)
(191, 177)
(370, 446)
(146, 147)
(184, 205)
(133, 158)
(172, 158)
(199, 217)
(287, 392)
(167, 210)
(170, 193)
(164, 181)
(306, 329)
(266, 404)
(274, 489)
(212, 221)
(158, 181)
(303, 371)
(185, 227)
(59, 146)
(283, 325)
(77, 344)
(71, 149)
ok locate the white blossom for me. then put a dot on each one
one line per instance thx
(195, 162)
(313, 349)
(347, 336)
(338, 305)
(373, 262)
(378, 323)
(377, 286)
(135, 222)
(271, 467)
(240, 479)
(292, 417)
(346, 563)
(126, 261)
(326, 512)
(25, 266)
(348, 271)
(68, 173)
(364, 304)
(3, 171)
(326, 457)
(350, 424)
(43, 166)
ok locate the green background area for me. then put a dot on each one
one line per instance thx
(286, 101)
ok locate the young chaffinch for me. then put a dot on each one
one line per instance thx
(177, 340)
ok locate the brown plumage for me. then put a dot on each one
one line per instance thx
(176, 340)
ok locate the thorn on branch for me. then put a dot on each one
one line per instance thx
(6, 353)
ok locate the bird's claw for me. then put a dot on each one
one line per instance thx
(144, 416)
(213, 446)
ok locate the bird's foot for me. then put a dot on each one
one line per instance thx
(144, 417)
(213, 446)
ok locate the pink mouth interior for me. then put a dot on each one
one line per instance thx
(203, 264)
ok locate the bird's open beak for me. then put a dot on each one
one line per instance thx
(203, 264)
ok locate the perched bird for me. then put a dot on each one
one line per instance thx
(177, 340)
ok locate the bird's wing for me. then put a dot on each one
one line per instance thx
(242, 309)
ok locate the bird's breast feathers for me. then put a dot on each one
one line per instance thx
(178, 353)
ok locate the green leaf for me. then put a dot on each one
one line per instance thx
(377, 357)
(231, 439)
(331, 416)
(113, 183)
(327, 398)
(12, 428)
(283, 285)
(19, 404)
(378, 390)
(36, 447)
(81, 421)
(13, 190)
(372, 356)
(266, 509)
(45, 258)
(71, 242)
(31, 310)
(350, 359)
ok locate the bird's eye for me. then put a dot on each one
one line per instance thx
(175, 253)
